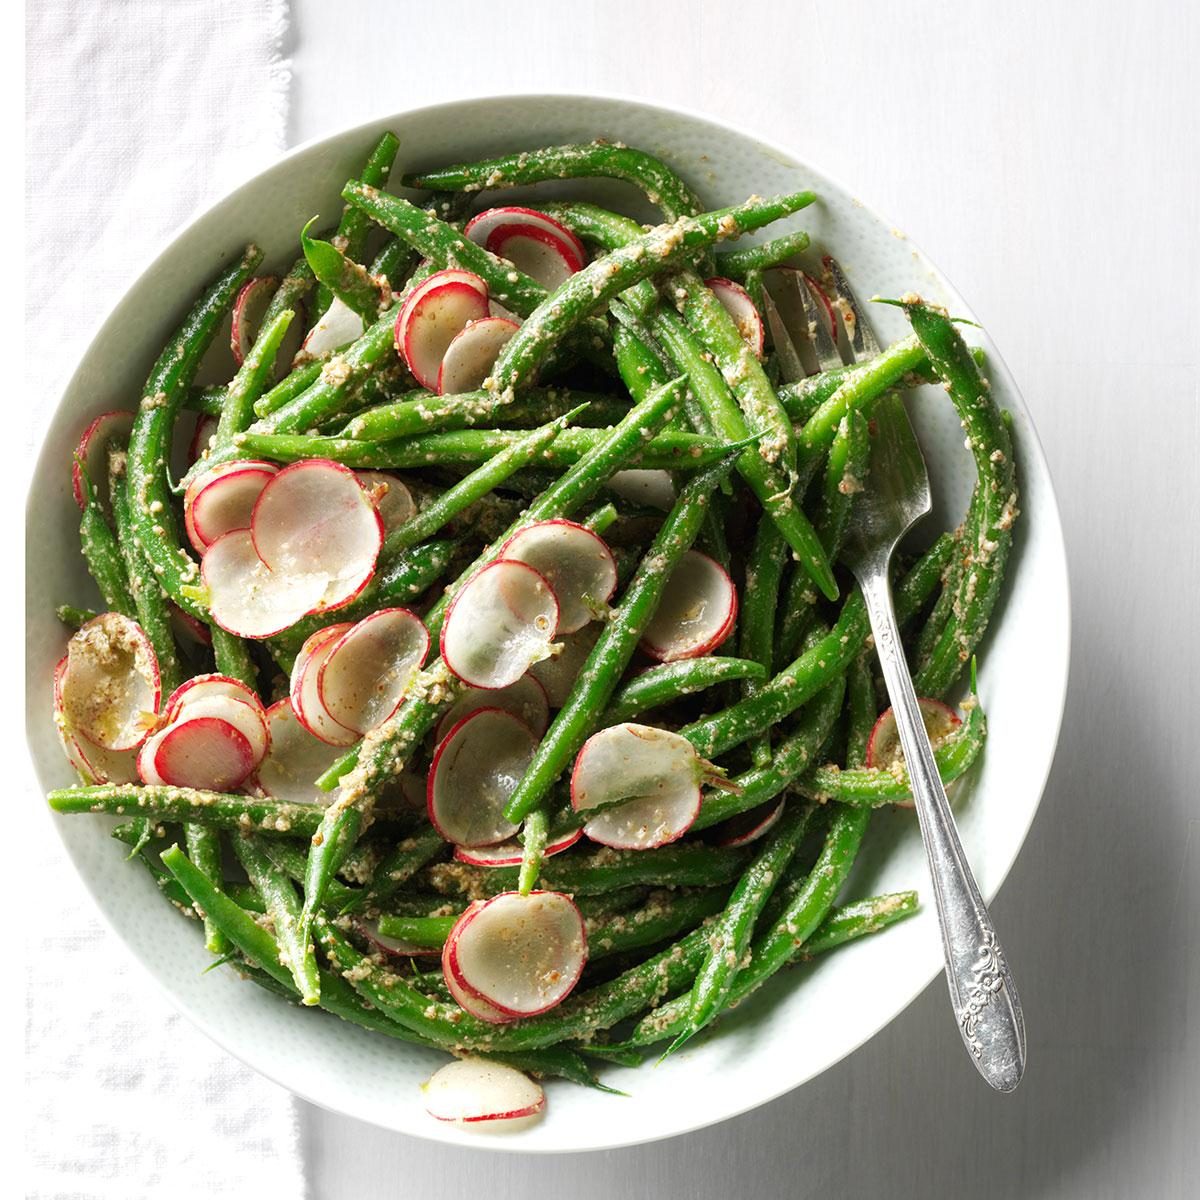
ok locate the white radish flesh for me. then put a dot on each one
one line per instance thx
(92, 763)
(296, 759)
(576, 564)
(146, 770)
(391, 498)
(205, 753)
(468, 1001)
(250, 720)
(749, 826)
(204, 686)
(525, 699)
(557, 674)
(883, 746)
(365, 675)
(653, 488)
(476, 767)
(110, 689)
(248, 310)
(737, 303)
(472, 353)
(92, 452)
(223, 499)
(434, 313)
(305, 688)
(543, 256)
(522, 954)
(499, 624)
(696, 612)
(481, 226)
(475, 1091)
(644, 783)
(338, 326)
(510, 854)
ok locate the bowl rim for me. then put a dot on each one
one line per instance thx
(1050, 515)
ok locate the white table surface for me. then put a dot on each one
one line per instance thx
(1050, 168)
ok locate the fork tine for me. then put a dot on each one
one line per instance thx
(791, 366)
(818, 312)
(863, 343)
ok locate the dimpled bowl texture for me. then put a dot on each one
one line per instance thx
(808, 1017)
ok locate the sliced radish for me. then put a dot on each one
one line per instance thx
(305, 688)
(249, 719)
(391, 497)
(223, 498)
(500, 623)
(246, 597)
(296, 759)
(472, 353)
(147, 771)
(248, 310)
(314, 519)
(395, 947)
(475, 769)
(481, 226)
(510, 854)
(544, 256)
(206, 753)
(338, 326)
(883, 746)
(749, 826)
(696, 612)
(653, 488)
(188, 629)
(525, 699)
(474, 1090)
(574, 561)
(202, 435)
(203, 686)
(93, 764)
(435, 311)
(92, 452)
(468, 1001)
(557, 674)
(110, 688)
(522, 954)
(644, 784)
(364, 676)
(737, 303)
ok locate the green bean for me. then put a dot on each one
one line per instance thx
(204, 848)
(731, 933)
(247, 385)
(75, 618)
(534, 831)
(298, 380)
(338, 275)
(861, 710)
(667, 682)
(287, 855)
(600, 520)
(845, 470)
(283, 907)
(293, 292)
(760, 600)
(394, 263)
(405, 859)
(102, 553)
(207, 401)
(233, 656)
(737, 264)
(429, 933)
(923, 579)
(797, 612)
(600, 674)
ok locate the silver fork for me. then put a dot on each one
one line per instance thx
(897, 495)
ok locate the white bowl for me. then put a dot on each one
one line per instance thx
(804, 1020)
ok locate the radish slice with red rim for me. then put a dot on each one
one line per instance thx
(475, 769)
(305, 690)
(472, 353)
(544, 256)
(248, 311)
(749, 826)
(696, 612)
(522, 954)
(557, 673)
(643, 784)
(248, 719)
(246, 597)
(92, 452)
(574, 561)
(314, 519)
(469, 1002)
(205, 753)
(223, 499)
(93, 764)
(365, 675)
(296, 759)
(393, 947)
(187, 628)
(525, 699)
(479, 1092)
(511, 854)
(502, 621)
(213, 684)
(391, 498)
(883, 746)
(110, 688)
(653, 488)
(337, 327)
(435, 311)
(147, 772)
(737, 303)
(481, 226)
(202, 436)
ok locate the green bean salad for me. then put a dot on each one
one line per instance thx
(487, 676)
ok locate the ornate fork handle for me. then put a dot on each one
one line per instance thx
(981, 990)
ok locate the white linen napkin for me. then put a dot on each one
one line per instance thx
(138, 112)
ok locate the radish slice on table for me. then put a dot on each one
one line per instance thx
(248, 310)
(305, 689)
(468, 1001)
(92, 763)
(640, 485)
(246, 597)
(206, 753)
(525, 699)
(92, 452)
(394, 947)
(644, 784)
(202, 435)
(749, 826)
(576, 564)
(522, 954)
(481, 227)
(435, 311)
(557, 674)
(314, 519)
(696, 612)
(475, 769)
(364, 676)
(510, 854)
(472, 353)
(500, 623)
(249, 719)
(545, 257)
(296, 759)
(110, 688)
(223, 499)
(338, 326)
(474, 1091)
(737, 303)
(391, 498)
(883, 746)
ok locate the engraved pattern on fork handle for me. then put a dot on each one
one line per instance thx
(981, 989)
